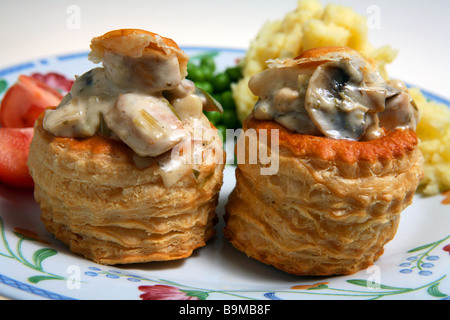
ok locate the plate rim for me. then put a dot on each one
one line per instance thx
(31, 289)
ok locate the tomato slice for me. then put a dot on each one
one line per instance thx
(25, 100)
(14, 146)
(54, 80)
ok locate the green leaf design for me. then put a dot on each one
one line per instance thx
(36, 279)
(435, 292)
(359, 282)
(21, 236)
(425, 246)
(199, 294)
(42, 254)
(3, 85)
(320, 286)
(370, 284)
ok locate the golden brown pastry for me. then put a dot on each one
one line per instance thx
(348, 165)
(119, 172)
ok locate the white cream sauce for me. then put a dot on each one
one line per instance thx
(341, 99)
(146, 103)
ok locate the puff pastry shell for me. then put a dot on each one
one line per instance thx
(94, 199)
(331, 207)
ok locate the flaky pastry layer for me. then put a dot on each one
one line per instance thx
(330, 208)
(94, 198)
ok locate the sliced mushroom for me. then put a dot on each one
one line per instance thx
(79, 113)
(332, 100)
(341, 96)
(281, 93)
(401, 110)
(298, 122)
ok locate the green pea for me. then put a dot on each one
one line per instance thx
(234, 73)
(195, 73)
(208, 61)
(226, 99)
(208, 72)
(229, 119)
(217, 96)
(213, 116)
(205, 85)
(221, 82)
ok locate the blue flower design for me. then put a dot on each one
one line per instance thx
(272, 296)
(112, 274)
(422, 260)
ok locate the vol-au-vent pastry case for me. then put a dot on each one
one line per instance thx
(118, 206)
(348, 164)
(121, 174)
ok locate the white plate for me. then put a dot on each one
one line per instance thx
(33, 265)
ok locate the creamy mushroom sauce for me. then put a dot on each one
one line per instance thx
(341, 98)
(146, 103)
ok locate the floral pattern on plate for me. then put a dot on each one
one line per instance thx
(424, 258)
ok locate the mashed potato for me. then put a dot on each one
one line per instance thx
(310, 25)
(434, 141)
